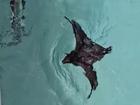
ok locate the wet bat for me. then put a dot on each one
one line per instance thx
(85, 54)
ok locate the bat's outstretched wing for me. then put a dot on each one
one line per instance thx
(80, 35)
(92, 77)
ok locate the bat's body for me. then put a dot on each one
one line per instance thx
(85, 54)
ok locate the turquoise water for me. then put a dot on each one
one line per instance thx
(31, 73)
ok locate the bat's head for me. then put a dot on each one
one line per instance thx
(69, 58)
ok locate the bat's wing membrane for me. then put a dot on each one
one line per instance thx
(80, 35)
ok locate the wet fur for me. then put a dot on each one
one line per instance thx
(85, 54)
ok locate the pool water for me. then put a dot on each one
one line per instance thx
(32, 73)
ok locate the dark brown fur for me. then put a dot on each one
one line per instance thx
(85, 54)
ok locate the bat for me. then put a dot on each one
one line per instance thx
(85, 54)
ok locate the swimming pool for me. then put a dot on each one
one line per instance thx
(32, 73)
